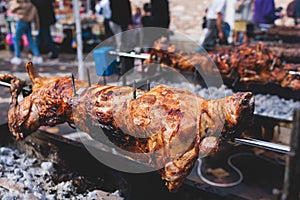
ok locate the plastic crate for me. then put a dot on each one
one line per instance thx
(104, 62)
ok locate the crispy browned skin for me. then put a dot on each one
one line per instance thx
(284, 31)
(250, 63)
(173, 124)
(168, 55)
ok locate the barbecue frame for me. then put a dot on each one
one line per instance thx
(61, 151)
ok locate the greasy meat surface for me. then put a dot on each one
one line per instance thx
(284, 31)
(257, 63)
(168, 55)
(172, 124)
(249, 63)
(285, 51)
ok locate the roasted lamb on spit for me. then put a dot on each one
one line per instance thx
(168, 55)
(172, 123)
(284, 31)
(287, 52)
(257, 63)
(249, 63)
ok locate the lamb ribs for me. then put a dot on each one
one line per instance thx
(170, 126)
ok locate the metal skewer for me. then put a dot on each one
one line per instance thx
(294, 73)
(273, 64)
(134, 90)
(130, 55)
(148, 85)
(88, 76)
(73, 84)
(263, 145)
(27, 90)
(5, 84)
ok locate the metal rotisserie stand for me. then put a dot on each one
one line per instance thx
(261, 176)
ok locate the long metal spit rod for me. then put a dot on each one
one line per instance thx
(294, 73)
(130, 55)
(263, 145)
(147, 56)
(4, 84)
(8, 86)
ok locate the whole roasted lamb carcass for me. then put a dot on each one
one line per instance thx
(175, 124)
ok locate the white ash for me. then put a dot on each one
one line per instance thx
(270, 105)
(265, 104)
(26, 178)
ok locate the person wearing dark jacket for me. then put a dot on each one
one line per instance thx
(121, 13)
(121, 19)
(265, 14)
(160, 16)
(47, 18)
(160, 13)
(297, 13)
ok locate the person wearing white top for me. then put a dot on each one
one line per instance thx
(103, 8)
(214, 16)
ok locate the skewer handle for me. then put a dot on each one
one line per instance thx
(263, 145)
(130, 55)
(5, 84)
(294, 73)
(25, 91)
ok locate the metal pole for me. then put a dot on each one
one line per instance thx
(81, 71)
(88, 6)
(292, 173)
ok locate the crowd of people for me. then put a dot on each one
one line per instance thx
(117, 14)
(120, 15)
(249, 15)
(25, 13)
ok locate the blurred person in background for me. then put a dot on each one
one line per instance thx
(25, 13)
(243, 15)
(47, 18)
(137, 17)
(121, 19)
(160, 16)
(103, 8)
(136, 24)
(297, 13)
(121, 15)
(293, 11)
(3, 6)
(160, 13)
(265, 14)
(146, 21)
(215, 20)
